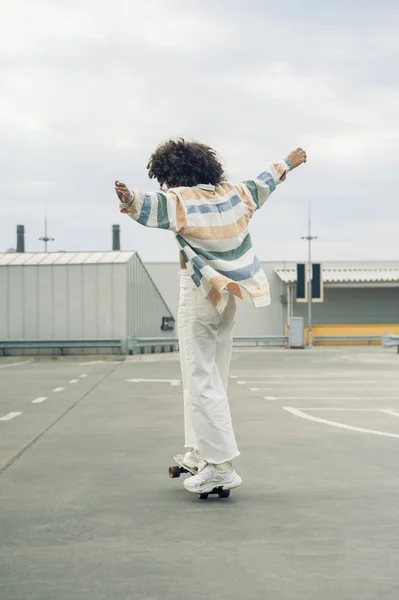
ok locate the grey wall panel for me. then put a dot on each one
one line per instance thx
(105, 301)
(119, 300)
(250, 321)
(16, 303)
(60, 299)
(31, 304)
(166, 278)
(146, 304)
(354, 306)
(4, 302)
(90, 301)
(74, 300)
(45, 308)
(276, 313)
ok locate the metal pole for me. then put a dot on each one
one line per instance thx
(45, 239)
(310, 333)
(310, 238)
(45, 231)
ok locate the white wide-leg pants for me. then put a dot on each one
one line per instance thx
(205, 341)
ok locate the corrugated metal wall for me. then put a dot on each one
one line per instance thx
(96, 301)
(63, 302)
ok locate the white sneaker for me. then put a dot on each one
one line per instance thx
(210, 478)
(191, 461)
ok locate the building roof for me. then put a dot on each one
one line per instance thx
(347, 275)
(63, 258)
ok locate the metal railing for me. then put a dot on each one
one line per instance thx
(69, 347)
(133, 345)
(268, 340)
(368, 339)
(140, 345)
(390, 340)
(60, 347)
(125, 346)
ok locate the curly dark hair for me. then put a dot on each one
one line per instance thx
(185, 164)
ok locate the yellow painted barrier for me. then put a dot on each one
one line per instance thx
(350, 330)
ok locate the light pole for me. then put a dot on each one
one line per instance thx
(45, 239)
(310, 238)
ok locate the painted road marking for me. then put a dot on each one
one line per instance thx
(171, 381)
(233, 376)
(303, 415)
(59, 389)
(10, 416)
(74, 381)
(352, 376)
(329, 389)
(270, 398)
(24, 362)
(295, 382)
(92, 362)
(39, 400)
(389, 411)
(84, 375)
(329, 360)
(344, 398)
(345, 408)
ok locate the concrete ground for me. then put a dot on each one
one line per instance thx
(87, 511)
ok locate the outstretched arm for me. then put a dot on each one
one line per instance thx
(152, 209)
(275, 173)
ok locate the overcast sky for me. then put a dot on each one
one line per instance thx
(88, 88)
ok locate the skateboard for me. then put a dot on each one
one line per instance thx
(176, 471)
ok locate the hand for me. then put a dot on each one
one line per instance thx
(297, 157)
(123, 192)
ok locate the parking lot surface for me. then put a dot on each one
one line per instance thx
(88, 511)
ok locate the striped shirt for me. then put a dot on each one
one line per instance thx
(211, 228)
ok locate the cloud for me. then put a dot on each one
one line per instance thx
(90, 88)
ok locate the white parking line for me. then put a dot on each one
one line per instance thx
(392, 413)
(308, 389)
(92, 362)
(39, 400)
(344, 408)
(171, 381)
(330, 398)
(59, 389)
(10, 416)
(24, 362)
(84, 375)
(270, 398)
(73, 380)
(302, 415)
(295, 382)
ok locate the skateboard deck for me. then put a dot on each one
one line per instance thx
(176, 471)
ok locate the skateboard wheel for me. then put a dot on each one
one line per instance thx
(202, 496)
(224, 494)
(174, 472)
